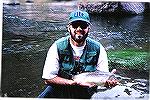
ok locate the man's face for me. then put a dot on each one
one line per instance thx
(79, 31)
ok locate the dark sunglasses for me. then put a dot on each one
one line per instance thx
(83, 25)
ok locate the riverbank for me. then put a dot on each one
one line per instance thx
(130, 62)
(130, 59)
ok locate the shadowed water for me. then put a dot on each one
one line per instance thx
(30, 29)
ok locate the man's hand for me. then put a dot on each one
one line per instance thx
(112, 82)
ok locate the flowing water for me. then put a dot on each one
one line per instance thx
(30, 29)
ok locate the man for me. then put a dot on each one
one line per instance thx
(70, 56)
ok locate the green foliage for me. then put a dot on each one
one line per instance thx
(129, 59)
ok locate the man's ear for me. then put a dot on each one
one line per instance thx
(89, 28)
(68, 27)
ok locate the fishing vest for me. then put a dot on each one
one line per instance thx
(87, 62)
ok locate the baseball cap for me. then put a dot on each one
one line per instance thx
(79, 15)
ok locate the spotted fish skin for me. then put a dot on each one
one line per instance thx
(97, 77)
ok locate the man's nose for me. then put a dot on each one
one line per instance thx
(79, 28)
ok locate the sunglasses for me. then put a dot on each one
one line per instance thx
(83, 25)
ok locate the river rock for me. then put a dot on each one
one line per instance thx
(11, 2)
(113, 7)
(119, 92)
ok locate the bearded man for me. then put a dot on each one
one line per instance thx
(72, 55)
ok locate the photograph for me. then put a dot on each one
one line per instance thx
(75, 49)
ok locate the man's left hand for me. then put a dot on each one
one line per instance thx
(112, 82)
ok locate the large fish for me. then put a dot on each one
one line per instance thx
(97, 77)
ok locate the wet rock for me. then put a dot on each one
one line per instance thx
(119, 92)
(141, 86)
(11, 2)
(128, 91)
(113, 7)
(133, 8)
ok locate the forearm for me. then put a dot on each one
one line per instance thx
(59, 81)
(62, 81)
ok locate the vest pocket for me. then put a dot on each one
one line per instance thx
(65, 70)
(91, 58)
(67, 66)
(93, 53)
(67, 63)
(90, 68)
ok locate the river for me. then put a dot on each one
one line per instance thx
(30, 29)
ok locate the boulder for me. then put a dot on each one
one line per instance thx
(113, 7)
(11, 2)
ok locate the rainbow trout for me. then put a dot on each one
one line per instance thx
(97, 77)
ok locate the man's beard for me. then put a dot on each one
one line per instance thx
(79, 38)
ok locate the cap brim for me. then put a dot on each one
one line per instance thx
(79, 19)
